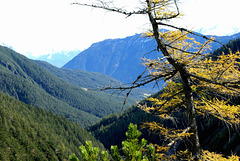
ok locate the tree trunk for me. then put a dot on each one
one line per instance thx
(194, 145)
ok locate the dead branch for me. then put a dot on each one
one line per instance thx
(113, 9)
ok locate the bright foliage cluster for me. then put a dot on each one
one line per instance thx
(210, 78)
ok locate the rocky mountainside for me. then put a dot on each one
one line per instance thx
(118, 58)
(121, 58)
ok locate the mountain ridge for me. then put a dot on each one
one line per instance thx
(121, 58)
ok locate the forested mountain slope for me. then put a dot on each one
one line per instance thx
(214, 134)
(30, 83)
(234, 45)
(81, 78)
(30, 133)
(121, 58)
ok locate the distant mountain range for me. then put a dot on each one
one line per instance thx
(121, 58)
(57, 59)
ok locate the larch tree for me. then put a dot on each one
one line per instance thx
(196, 84)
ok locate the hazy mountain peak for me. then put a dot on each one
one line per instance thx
(57, 59)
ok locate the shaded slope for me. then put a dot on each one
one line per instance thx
(213, 134)
(30, 133)
(234, 45)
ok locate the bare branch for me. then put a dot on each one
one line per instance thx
(136, 85)
(149, 52)
(112, 9)
(193, 53)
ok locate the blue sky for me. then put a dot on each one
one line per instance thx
(40, 27)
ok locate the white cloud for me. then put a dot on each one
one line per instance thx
(35, 27)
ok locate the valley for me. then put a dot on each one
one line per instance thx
(30, 83)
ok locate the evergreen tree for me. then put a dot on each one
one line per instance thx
(132, 148)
